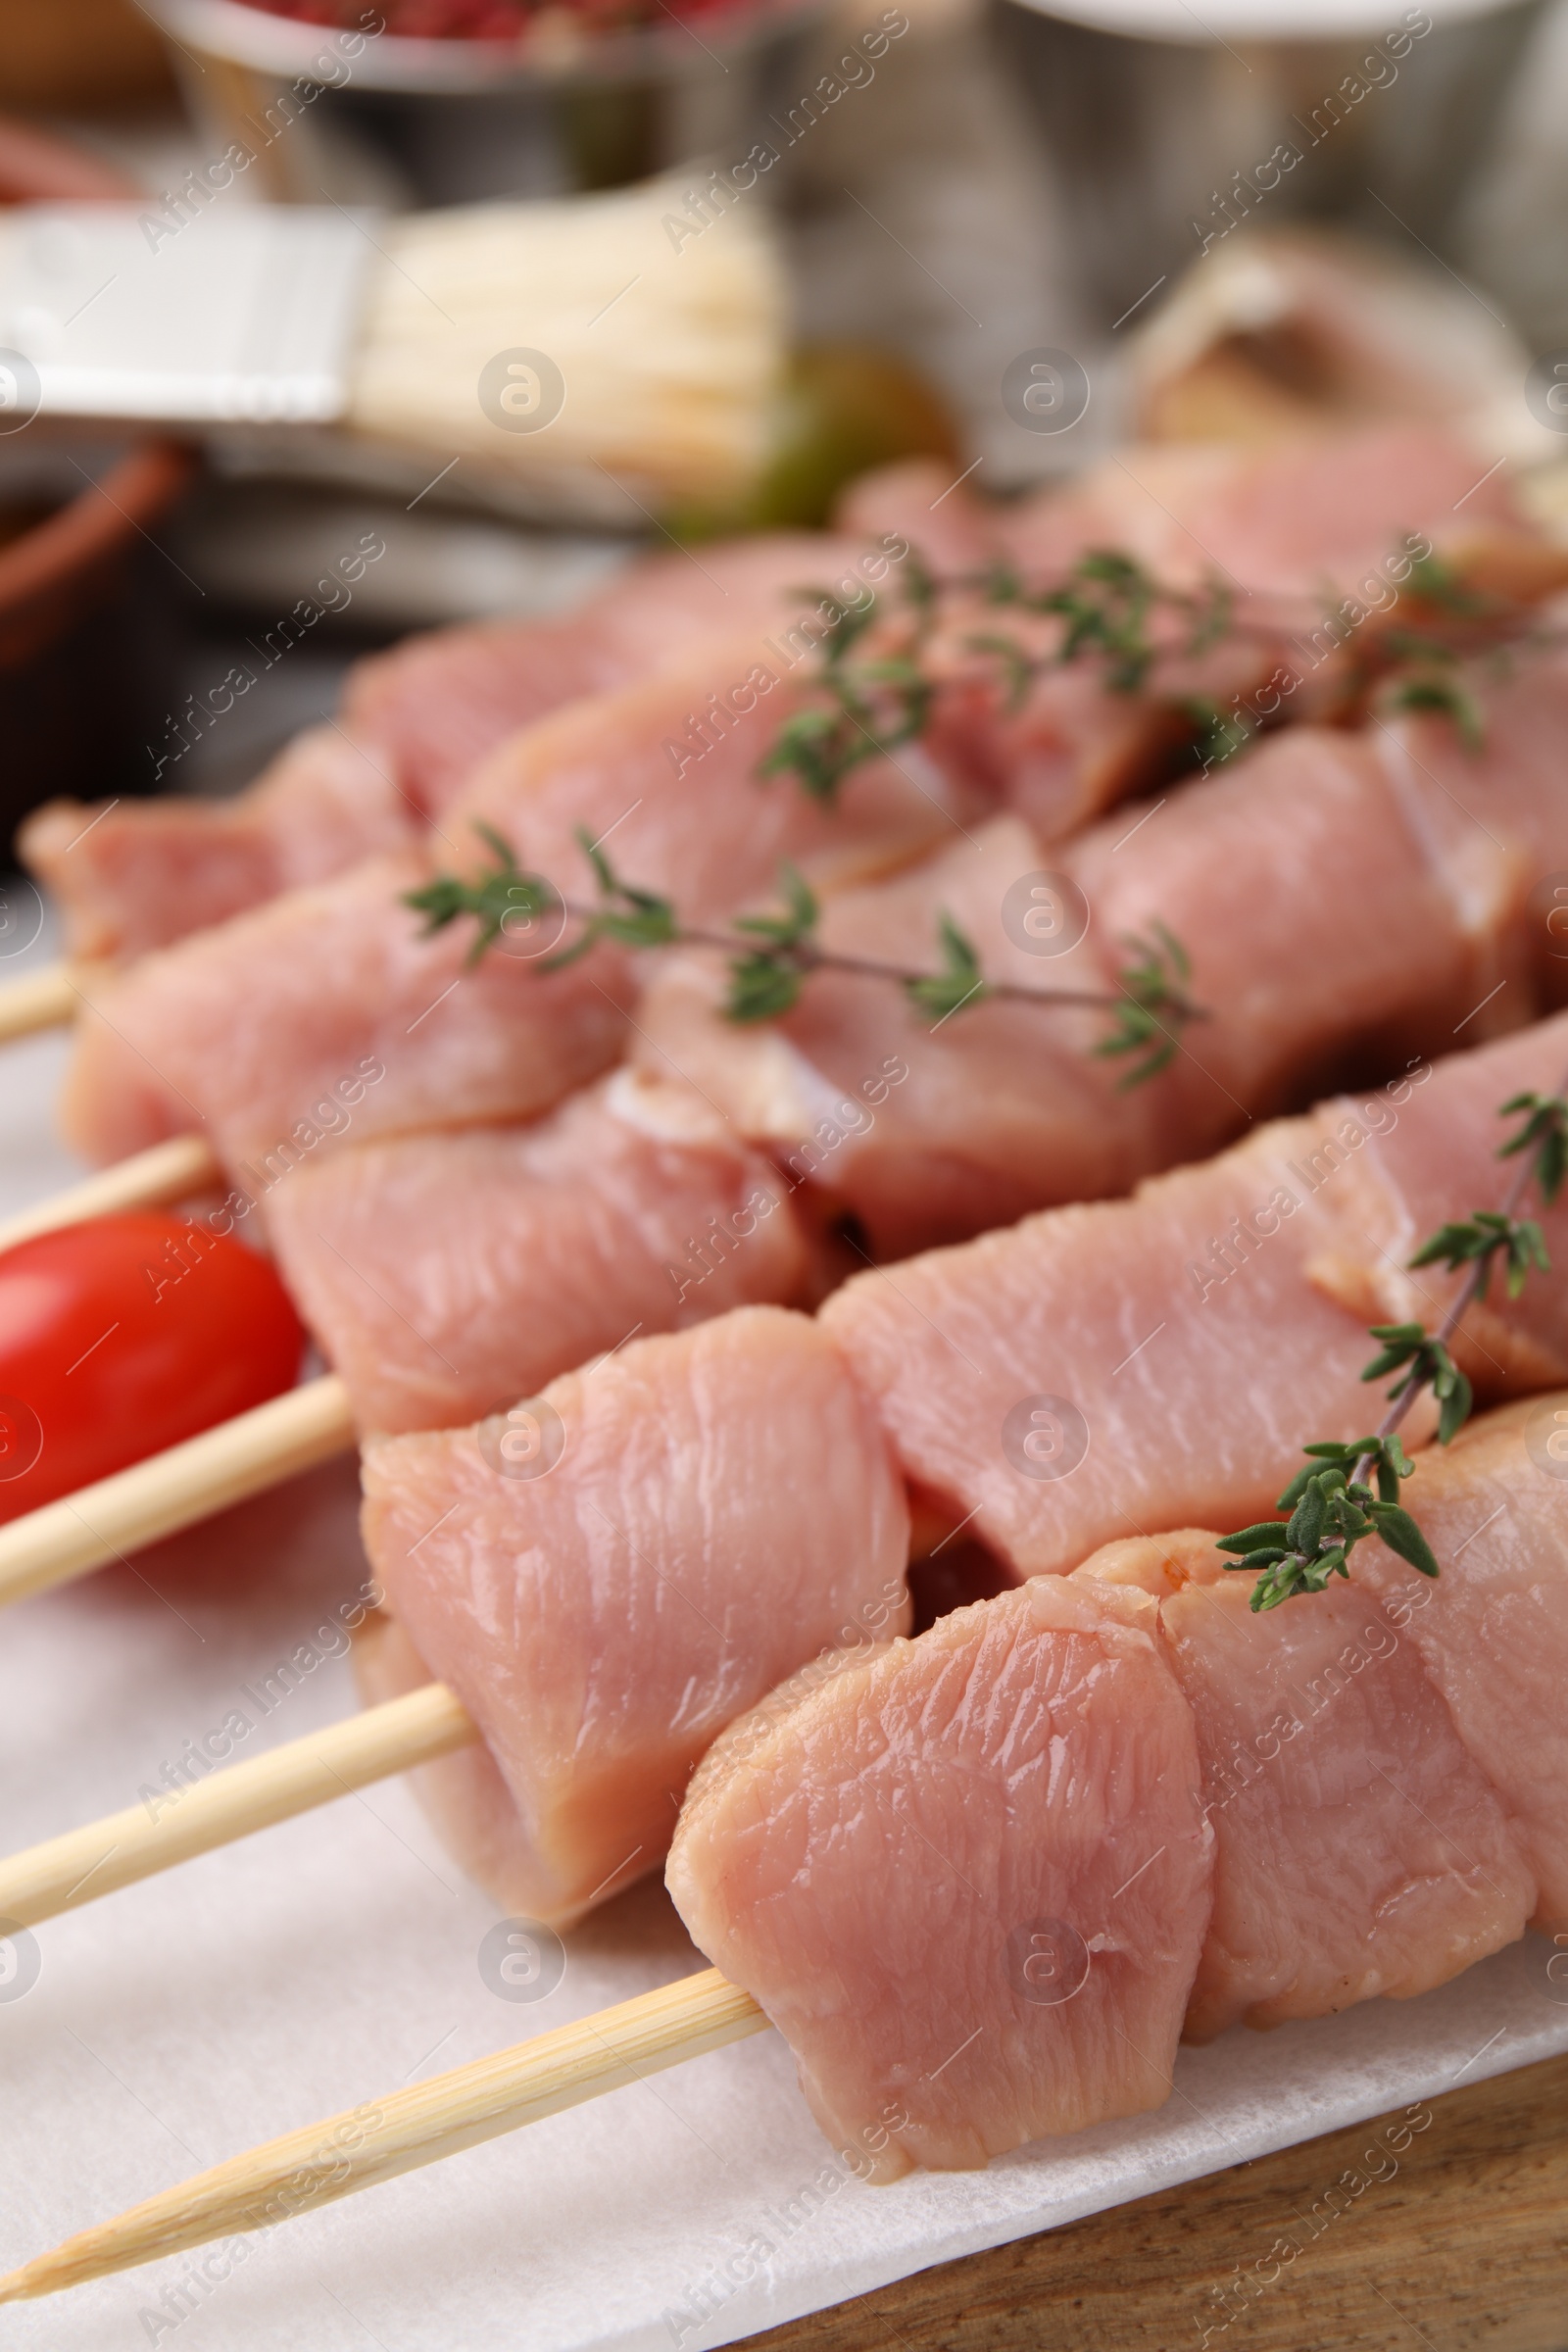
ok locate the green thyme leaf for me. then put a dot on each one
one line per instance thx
(636, 918)
(1105, 609)
(506, 896)
(1477, 1240)
(1211, 621)
(1546, 1133)
(765, 983)
(1017, 669)
(1424, 1363)
(761, 988)
(844, 622)
(959, 982)
(1400, 1533)
(1329, 1515)
(1263, 1536)
(1446, 695)
(818, 748)
(1149, 1018)
(799, 919)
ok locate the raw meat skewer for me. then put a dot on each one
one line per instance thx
(1264, 808)
(1459, 927)
(141, 875)
(1000, 1118)
(1044, 1763)
(415, 721)
(1309, 1218)
(572, 1224)
(659, 1575)
(444, 1478)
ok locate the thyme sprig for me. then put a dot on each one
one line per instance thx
(1149, 987)
(1333, 1508)
(873, 708)
(1108, 605)
(1105, 606)
(772, 954)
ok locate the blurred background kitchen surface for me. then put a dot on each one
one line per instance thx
(1007, 234)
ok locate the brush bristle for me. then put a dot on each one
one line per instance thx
(668, 336)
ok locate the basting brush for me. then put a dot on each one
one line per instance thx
(616, 357)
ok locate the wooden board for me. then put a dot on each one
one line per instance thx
(1457, 2239)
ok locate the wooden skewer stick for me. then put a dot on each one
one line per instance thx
(175, 1489)
(117, 1851)
(47, 998)
(386, 2136)
(172, 1171)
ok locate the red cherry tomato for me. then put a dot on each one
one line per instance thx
(124, 1335)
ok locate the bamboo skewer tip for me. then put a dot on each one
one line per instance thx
(461, 2109)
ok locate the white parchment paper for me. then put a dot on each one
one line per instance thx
(335, 1958)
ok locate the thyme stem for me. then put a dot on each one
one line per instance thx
(807, 956)
(772, 955)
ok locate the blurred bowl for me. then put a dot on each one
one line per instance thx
(84, 655)
(1169, 126)
(568, 109)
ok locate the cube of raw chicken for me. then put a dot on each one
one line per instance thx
(1361, 1848)
(246, 1029)
(665, 775)
(445, 1274)
(1100, 1371)
(1304, 518)
(1003, 1107)
(973, 1878)
(139, 874)
(715, 1509)
(967, 1877)
(1493, 1630)
(325, 1015)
